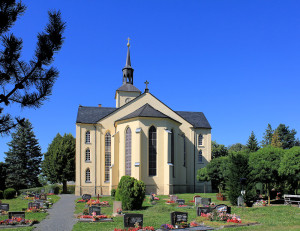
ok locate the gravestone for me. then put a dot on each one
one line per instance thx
(196, 197)
(223, 208)
(130, 220)
(173, 198)
(180, 201)
(204, 210)
(178, 217)
(197, 201)
(43, 196)
(42, 190)
(240, 201)
(205, 201)
(34, 205)
(96, 209)
(16, 214)
(4, 207)
(86, 196)
(117, 205)
(30, 195)
(42, 203)
(51, 191)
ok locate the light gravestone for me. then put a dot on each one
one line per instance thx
(117, 206)
(197, 201)
(240, 201)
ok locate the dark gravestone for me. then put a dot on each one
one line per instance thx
(96, 209)
(223, 208)
(16, 214)
(180, 201)
(86, 196)
(131, 219)
(205, 201)
(42, 203)
(43, 196)
(34, 205)
(4, 207)
(204, 210)
(178, 217)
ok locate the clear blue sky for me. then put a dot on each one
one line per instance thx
(236, 61)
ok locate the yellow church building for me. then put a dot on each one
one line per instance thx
(141, 137)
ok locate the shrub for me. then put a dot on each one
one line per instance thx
(1, 194)
(9, 193)
(131, 192)
(113, 192)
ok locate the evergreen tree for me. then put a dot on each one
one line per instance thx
(252, 144)
(267, 139)
(275, 140)
(26, 84)
(286, 136)
(2, 175)
(23, 158)
(59, 161)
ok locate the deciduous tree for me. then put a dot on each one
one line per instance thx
(26, 84)
(275, 140)
(59, 161)
(236, 147)
(218, 150)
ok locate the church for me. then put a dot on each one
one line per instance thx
(143, 138)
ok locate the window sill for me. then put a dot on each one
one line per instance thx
(87, 143)
(88, 161)
(106, 182)
(88, 182)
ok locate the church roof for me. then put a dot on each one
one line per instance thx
(128, 87)
(91, 115)
(197, 119)
(146, 111)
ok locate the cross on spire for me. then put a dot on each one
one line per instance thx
(146, 89)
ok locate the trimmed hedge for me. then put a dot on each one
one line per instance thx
(9, 193)
(131, 192)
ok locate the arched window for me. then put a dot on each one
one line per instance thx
(172, 151)
(87, 137)
(128, 152)
(184, 151)
(200, 139)
(87, 155)
(107, 155)
(200, 156)
(88, 175)
(152, 151)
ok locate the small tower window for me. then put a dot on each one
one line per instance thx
(87, 155)
(200, 139)
(88, 175)
(200, 156)
(87, 137)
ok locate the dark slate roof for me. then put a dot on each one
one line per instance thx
(146, 111)
(197, 119)
(91, 115)
(128, 87)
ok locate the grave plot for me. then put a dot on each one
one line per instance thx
(16, 220)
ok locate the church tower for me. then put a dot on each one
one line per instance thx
(127, 91)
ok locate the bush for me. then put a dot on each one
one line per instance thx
(1, 194)
(113, 192)
(9, 193)
(131, 192)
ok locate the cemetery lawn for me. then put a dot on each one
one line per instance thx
(18, 203)
(270, 218)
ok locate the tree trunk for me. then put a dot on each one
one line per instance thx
(269, 196)
(65, 190)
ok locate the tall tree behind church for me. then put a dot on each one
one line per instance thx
(59, 161)
(252, 144)
(26, 84)
(286, 136)
(267, 139)
(23, 158)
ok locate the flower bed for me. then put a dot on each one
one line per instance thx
(35, 210)
(170, 202)
(215, 216)
(97, 202)
(17, 221)
(136, 229)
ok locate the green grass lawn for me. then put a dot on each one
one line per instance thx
(270, 218)
(18, 203)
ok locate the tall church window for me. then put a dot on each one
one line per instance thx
(152, 151)
(172, 151)
(107, 155)
(200, 156)
(200, 139)
(87, 155)
(88, 175)
(128, 152)
(87, 137)
(184, 151)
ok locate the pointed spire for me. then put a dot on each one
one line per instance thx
(128, 70)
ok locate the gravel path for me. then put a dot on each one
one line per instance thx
(61, 215)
